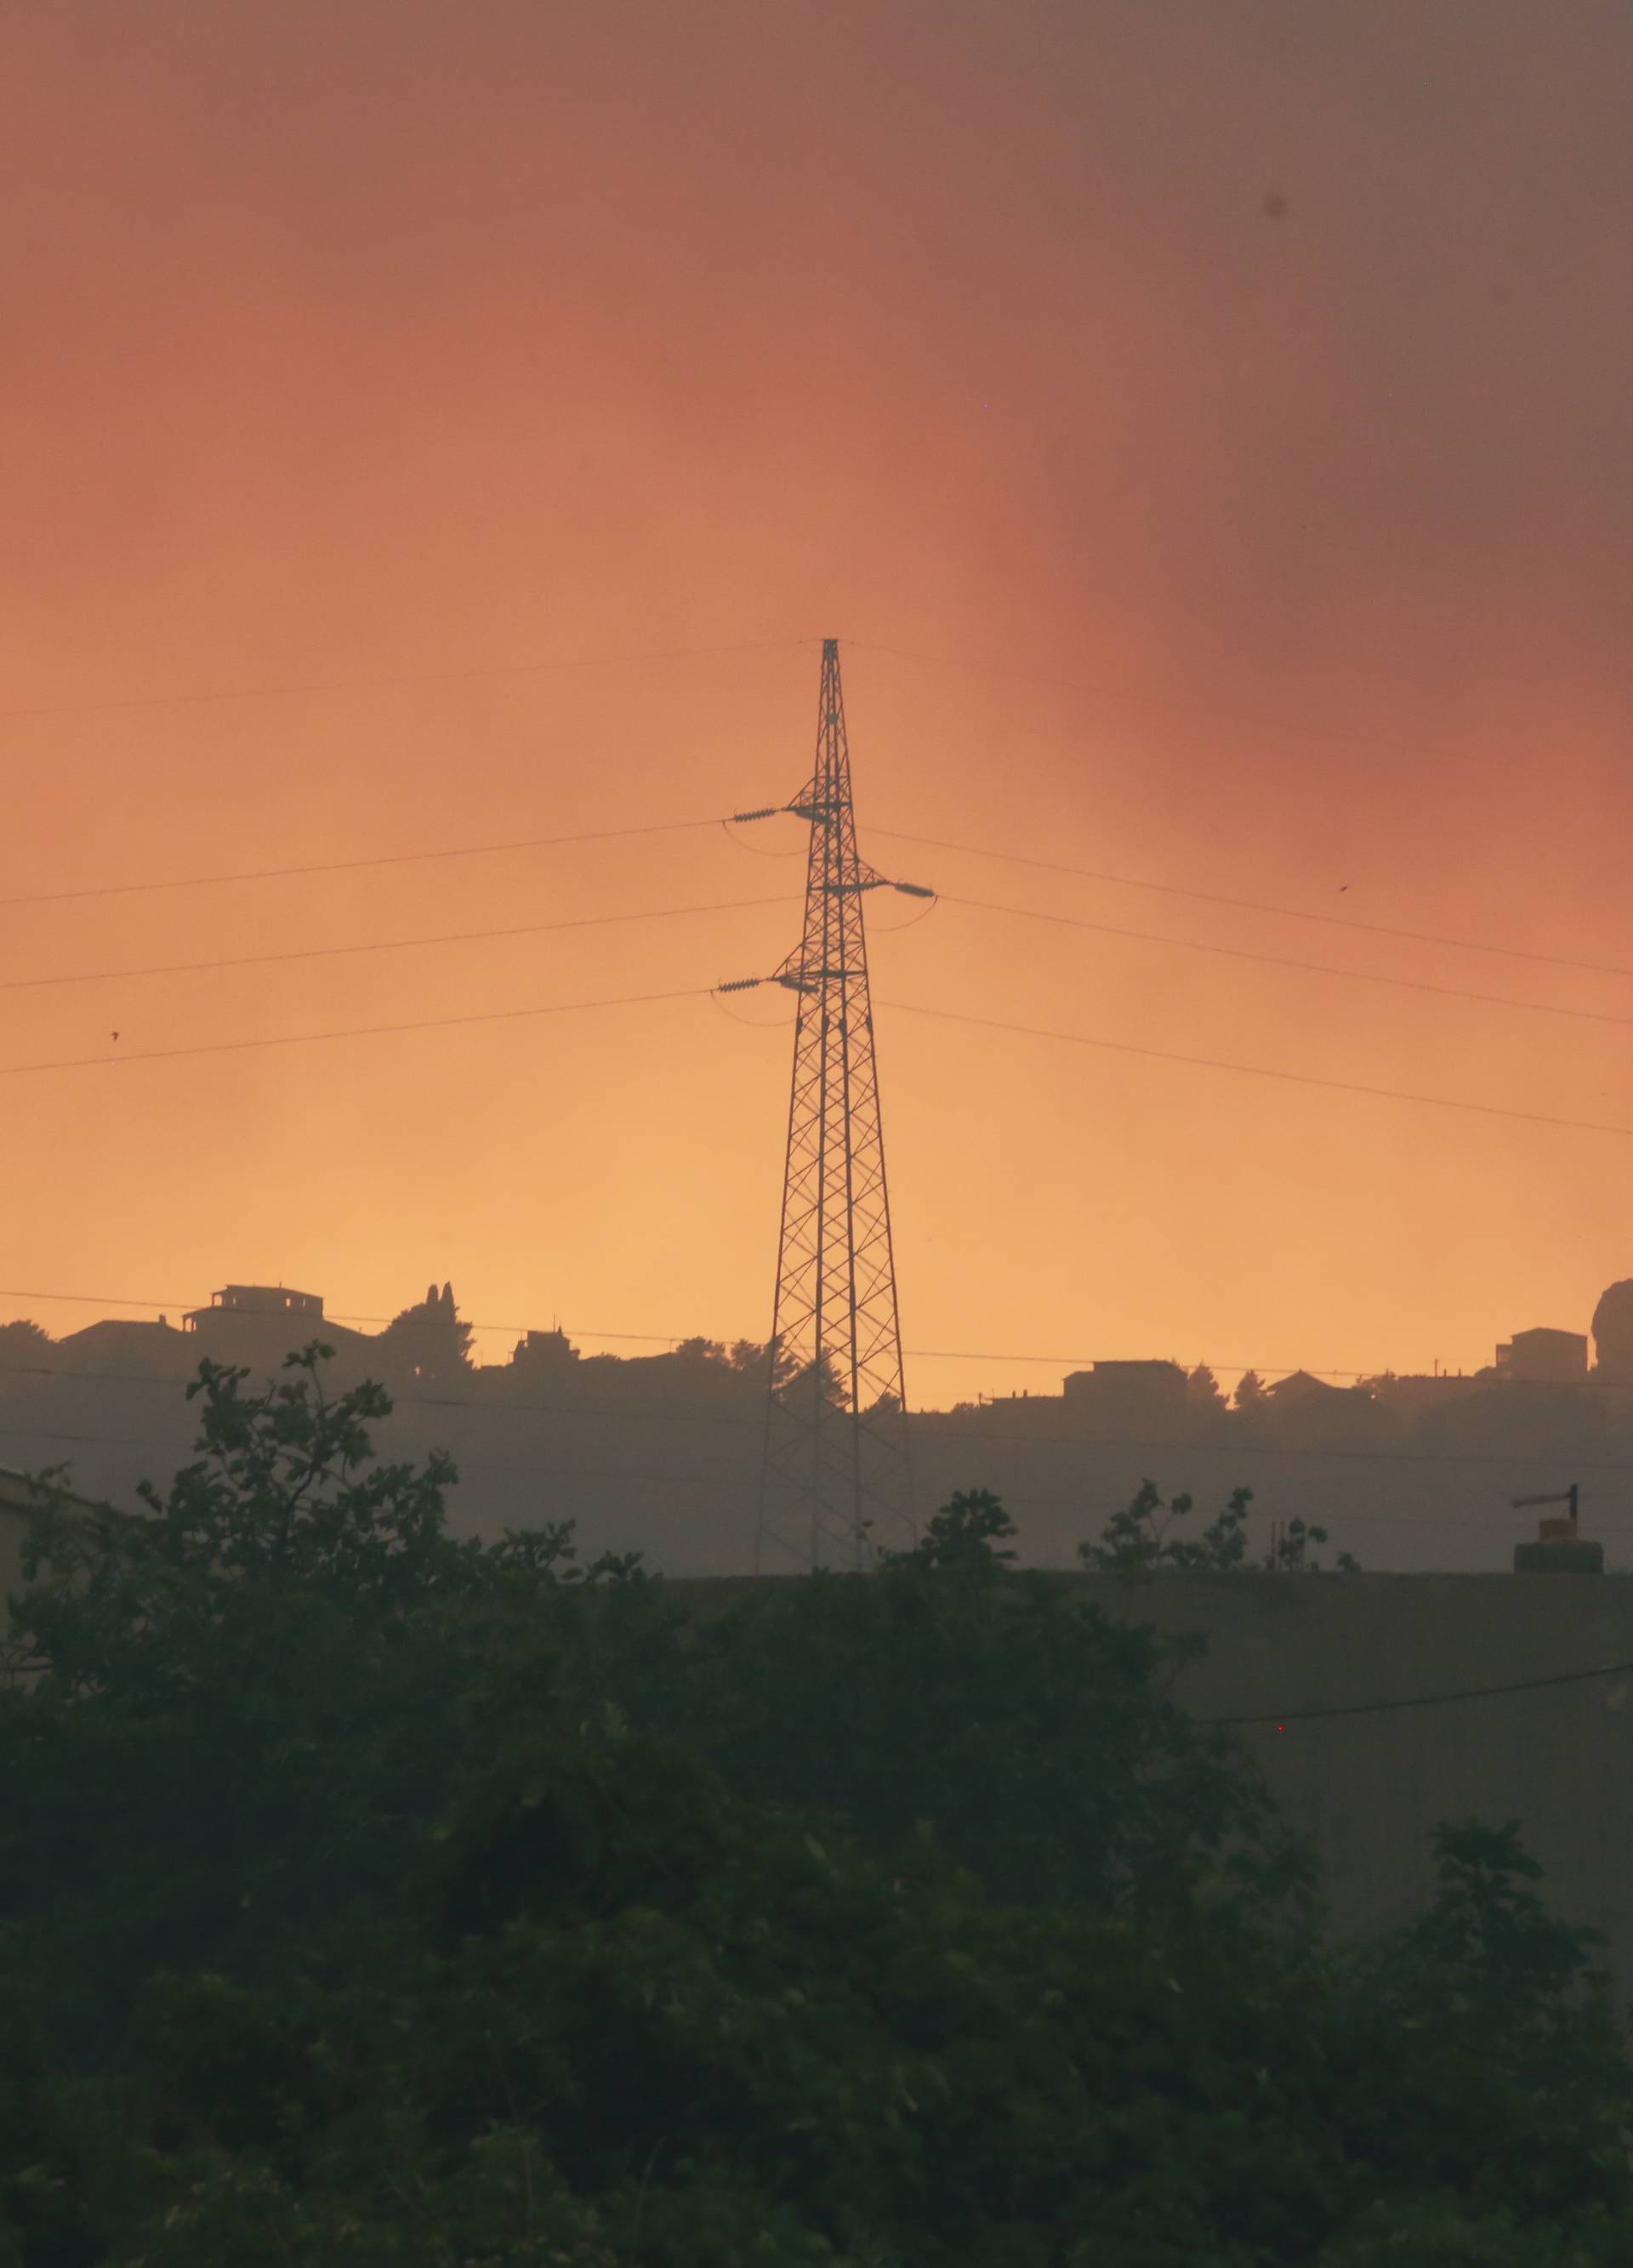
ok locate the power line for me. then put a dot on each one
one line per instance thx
(652, 1338)
(1077, 1038)
(673, 1339)
(1284, 960)
(175, 1385)
(682, 825)
(1219, 1364)
(733, 905)
(351, 1316)
(351, 865)
(355, 1031)
(1279, 1717)
(1258, 1070)
(1252, 905)
(299, 691)
(384, 945)
(334, 1315)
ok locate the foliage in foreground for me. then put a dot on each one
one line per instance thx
(367, 1897)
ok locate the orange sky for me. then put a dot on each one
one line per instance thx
(385, 343)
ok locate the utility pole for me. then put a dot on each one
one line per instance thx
(835, 1476)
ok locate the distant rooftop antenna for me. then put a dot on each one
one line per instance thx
(1558, 1549)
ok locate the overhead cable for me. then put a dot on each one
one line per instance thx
(386, 945)
(1251, 905)
(1284, 960)
(353, 1032)
(1258, 1070)
(350, 866)
(1279, 1717)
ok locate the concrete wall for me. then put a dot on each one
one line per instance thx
(1370, 1789)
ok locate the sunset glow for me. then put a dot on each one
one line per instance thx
(432, 427)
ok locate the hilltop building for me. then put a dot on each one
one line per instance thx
(1544, 1357)
(1299, 1386)
(256, 1299)
(258, 1324)
(141, 1348)
(1151, 1393)
(544, 1353)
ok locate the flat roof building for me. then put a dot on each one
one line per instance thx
(256, 1299)
(1544, 1357)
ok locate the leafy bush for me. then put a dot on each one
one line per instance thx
(1140, 1539)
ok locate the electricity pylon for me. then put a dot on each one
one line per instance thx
(836, 1477)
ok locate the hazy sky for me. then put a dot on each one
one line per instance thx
(1228, 397)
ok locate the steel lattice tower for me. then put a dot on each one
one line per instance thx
(836, 1477)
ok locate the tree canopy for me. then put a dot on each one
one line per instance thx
(368, 1895)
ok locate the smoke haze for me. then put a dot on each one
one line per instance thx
(1249, 384)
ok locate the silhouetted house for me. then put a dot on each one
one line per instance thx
(1318, 1413)
(1299, 1386)
(543, 1353)
(1544, 1357)
(1151, 1394)
(258, 1324)
(143, 1349)
(255, 1300)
